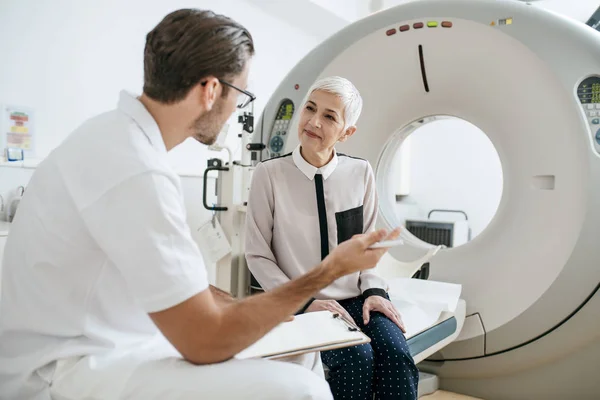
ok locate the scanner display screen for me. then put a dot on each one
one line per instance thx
(589, 90)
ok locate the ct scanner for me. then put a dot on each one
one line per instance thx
(530, 80)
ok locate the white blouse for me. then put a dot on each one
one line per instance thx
(297, 213)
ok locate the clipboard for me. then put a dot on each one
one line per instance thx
(307, 333)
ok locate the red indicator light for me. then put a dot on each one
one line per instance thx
(447, 24)
(404, 28)
(418, 25)
(390, 32)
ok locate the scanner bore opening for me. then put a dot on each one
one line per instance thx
(440, 178)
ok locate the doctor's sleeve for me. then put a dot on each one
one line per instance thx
(371, 283)
(140, 225)
(259, 231)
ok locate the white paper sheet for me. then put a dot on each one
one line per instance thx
(421, 302)
(416, 318)
(306, 331)
(443, 294)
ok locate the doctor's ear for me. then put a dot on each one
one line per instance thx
(209, 90)
(349, 132)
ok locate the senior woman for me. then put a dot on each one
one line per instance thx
(303, 204)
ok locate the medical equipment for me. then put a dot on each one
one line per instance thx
(12, 203)
(530, 79)
(440, 231)
(14, 154)
(232, 188)
(4, 228)
(448, 233)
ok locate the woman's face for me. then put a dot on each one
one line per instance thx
(322, 123)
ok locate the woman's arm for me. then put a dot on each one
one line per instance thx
(259, 232)
(370, 283)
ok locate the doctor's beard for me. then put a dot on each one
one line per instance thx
(206, 127)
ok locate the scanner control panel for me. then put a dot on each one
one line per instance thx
(280, 127)
(588, 93)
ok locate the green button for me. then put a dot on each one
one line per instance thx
(432, 24)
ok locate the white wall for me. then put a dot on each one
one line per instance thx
(580, 10)
(453, 165)
(70, 58)
(307, 15)
(346, 9)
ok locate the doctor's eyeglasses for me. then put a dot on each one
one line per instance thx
(244, 98)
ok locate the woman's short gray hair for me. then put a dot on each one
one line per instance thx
(346, 91)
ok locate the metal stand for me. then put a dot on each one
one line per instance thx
(233, 187)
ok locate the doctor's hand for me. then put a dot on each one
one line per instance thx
(354, 255)
(384, 306)
(330, 305)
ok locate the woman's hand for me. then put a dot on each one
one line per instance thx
(331, 305)
(384, 306)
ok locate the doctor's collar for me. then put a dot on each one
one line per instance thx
(133, 107)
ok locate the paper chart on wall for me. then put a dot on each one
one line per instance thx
(18, 129)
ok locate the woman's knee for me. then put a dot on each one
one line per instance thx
(392, 346)
(360, 360)
(356, 360)
(401, 355)
(362, 356)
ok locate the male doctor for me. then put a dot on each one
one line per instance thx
(104, 292)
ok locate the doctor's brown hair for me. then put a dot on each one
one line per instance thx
(189, 45)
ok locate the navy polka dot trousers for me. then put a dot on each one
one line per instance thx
(383, 367)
